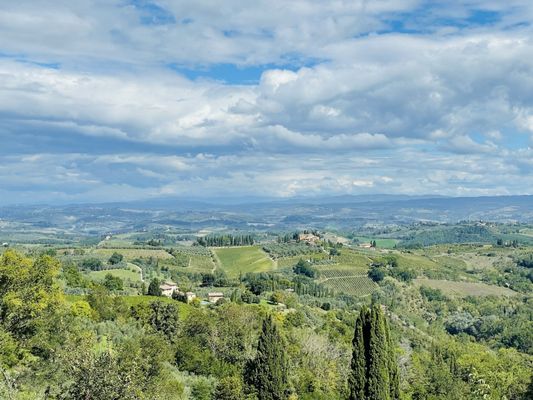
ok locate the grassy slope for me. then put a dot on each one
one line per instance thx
(235, 260)
(463, 289)
(200, 264)
(129, 254)
(380, 243)
(125, 274)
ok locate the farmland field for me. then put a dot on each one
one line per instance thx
(349, 276)
(193, 250)
(527, 232)
(288, 261)
(479, 262)
(278, 250)
(132, 274)
(352, 285)
(463, 289)
(353, 258)
(195, 259)
(451, 262)
(340, 272)
(291, 261)
(418, 262)
(200, 264)
(235, 260)
(380, 243)
(131, 254)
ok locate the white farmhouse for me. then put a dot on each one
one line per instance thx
(168, 288)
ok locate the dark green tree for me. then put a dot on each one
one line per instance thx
(164, 318)
(377, 274)
(115, 258)
(153, 288)
(374, 372)
(394, 376)
(112, 282)
(357, 379)
(267, 372)
(93, 264)
(378, 359)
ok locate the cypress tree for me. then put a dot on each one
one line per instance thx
(374, 372)
(357, 380)
(394, 376)
(153, 288)
(377, 363)
(267, 372)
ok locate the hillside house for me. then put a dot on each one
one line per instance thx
(168, 288)
(366, 245)
(308, 237)
(186, 297)
(213, 297)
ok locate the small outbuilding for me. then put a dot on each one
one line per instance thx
(213, 297)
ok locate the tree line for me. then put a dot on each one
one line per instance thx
(225, 240)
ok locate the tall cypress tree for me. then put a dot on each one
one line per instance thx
(378, 360)
(357, 379)
(267, 372)
(394, 376)
(374, 373)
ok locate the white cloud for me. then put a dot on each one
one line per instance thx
(340, 107)
(464, 144)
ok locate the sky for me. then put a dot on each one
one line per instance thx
(118, 100)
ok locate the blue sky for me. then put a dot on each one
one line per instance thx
(121, 100)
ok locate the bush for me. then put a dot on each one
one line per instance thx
(403, 274)
(432, 294)
(304, 268)
(93, 264)
(115, 258)
(113, 282)
(249, 297)
(377, 274)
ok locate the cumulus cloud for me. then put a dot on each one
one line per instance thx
(348, 97)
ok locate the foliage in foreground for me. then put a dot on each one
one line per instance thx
(105, 346)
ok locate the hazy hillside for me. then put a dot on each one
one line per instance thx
(343, 213)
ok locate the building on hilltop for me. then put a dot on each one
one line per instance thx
(308, 237)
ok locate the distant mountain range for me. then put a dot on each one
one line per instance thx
(340, 212)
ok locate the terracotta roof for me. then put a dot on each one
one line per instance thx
(166, 286)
